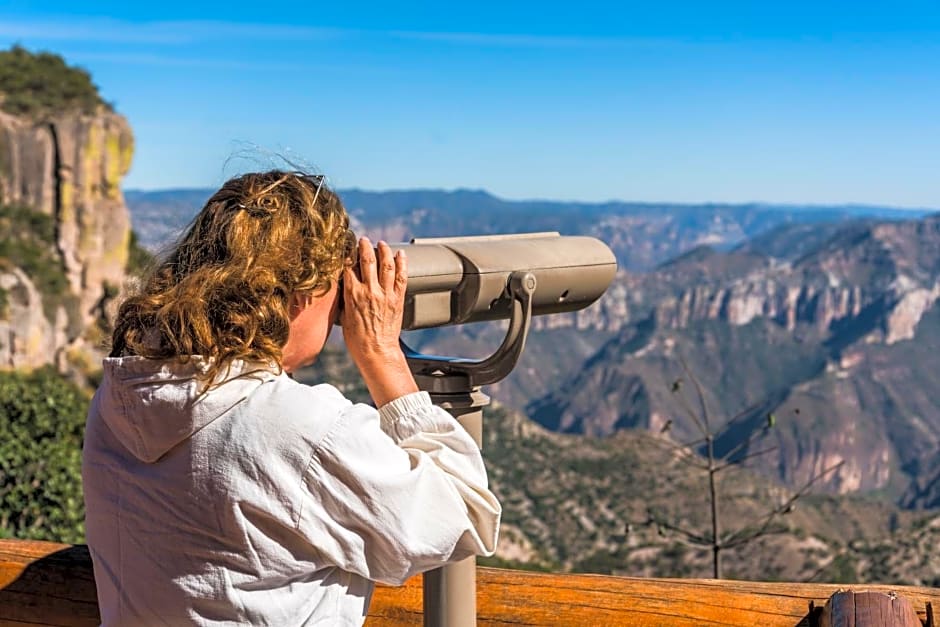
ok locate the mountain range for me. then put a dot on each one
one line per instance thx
(839, 340)
(642, 235)
(824, 317)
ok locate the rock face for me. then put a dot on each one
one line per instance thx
(68, 167)
(27, 338)
(840, 344)
(884, 276)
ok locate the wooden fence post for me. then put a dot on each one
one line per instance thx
(868, 609)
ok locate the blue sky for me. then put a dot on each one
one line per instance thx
(801, 102)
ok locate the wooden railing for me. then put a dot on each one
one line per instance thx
(43, 583)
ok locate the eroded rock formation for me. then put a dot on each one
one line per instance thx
(68, 167)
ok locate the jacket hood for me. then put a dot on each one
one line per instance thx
(151, 406)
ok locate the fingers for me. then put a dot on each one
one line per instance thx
(367, 262)
(373, 302)
(386, 267)
(401, 272)
(382, 271)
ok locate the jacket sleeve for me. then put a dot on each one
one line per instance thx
(398, 491)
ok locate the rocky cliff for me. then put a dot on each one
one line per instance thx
(840, 343)
(881, 275)
(885, 273)
(67, 166)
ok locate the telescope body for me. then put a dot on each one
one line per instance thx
(455, 280)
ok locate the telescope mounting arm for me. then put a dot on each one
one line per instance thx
(447, 375)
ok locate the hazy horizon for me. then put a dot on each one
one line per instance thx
(625, 201)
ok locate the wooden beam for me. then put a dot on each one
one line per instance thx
(519, 597)
(43, 583)
(46, 584)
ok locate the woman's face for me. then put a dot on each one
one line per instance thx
(312, 318)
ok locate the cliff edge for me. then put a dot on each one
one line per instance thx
(66, 165)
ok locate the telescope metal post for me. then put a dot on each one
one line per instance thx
(478, 279)
(454, 384)
(450, 592)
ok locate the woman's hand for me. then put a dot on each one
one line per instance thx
(373, 306)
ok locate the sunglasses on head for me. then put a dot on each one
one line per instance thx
(317, 179)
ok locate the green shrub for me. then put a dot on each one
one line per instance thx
(42, 422)
(29, 242)
(842, 569)
(37, 84)
(603, 562)
(139, 259)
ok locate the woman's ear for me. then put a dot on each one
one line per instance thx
(297, 302)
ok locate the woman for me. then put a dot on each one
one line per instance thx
(220, 491)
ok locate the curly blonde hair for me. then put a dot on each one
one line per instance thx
(224, 291)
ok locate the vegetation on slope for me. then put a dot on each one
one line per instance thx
(29, 244)
(611, 505)
(42, 419)
(606, 505)
(139, 259)
(42, 83)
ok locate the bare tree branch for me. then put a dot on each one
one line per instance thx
(737, 539)
(689, 535)
(741, 414)
(695, 443)
(712, 465)
(688, 455)
(712, 473)
(747, 457)
(698, 391)
(771, 531)
(753, 436)
(687, 408)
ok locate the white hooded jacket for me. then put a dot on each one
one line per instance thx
(266, 501)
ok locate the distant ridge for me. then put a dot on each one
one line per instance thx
(642, 234)
(436, 195)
